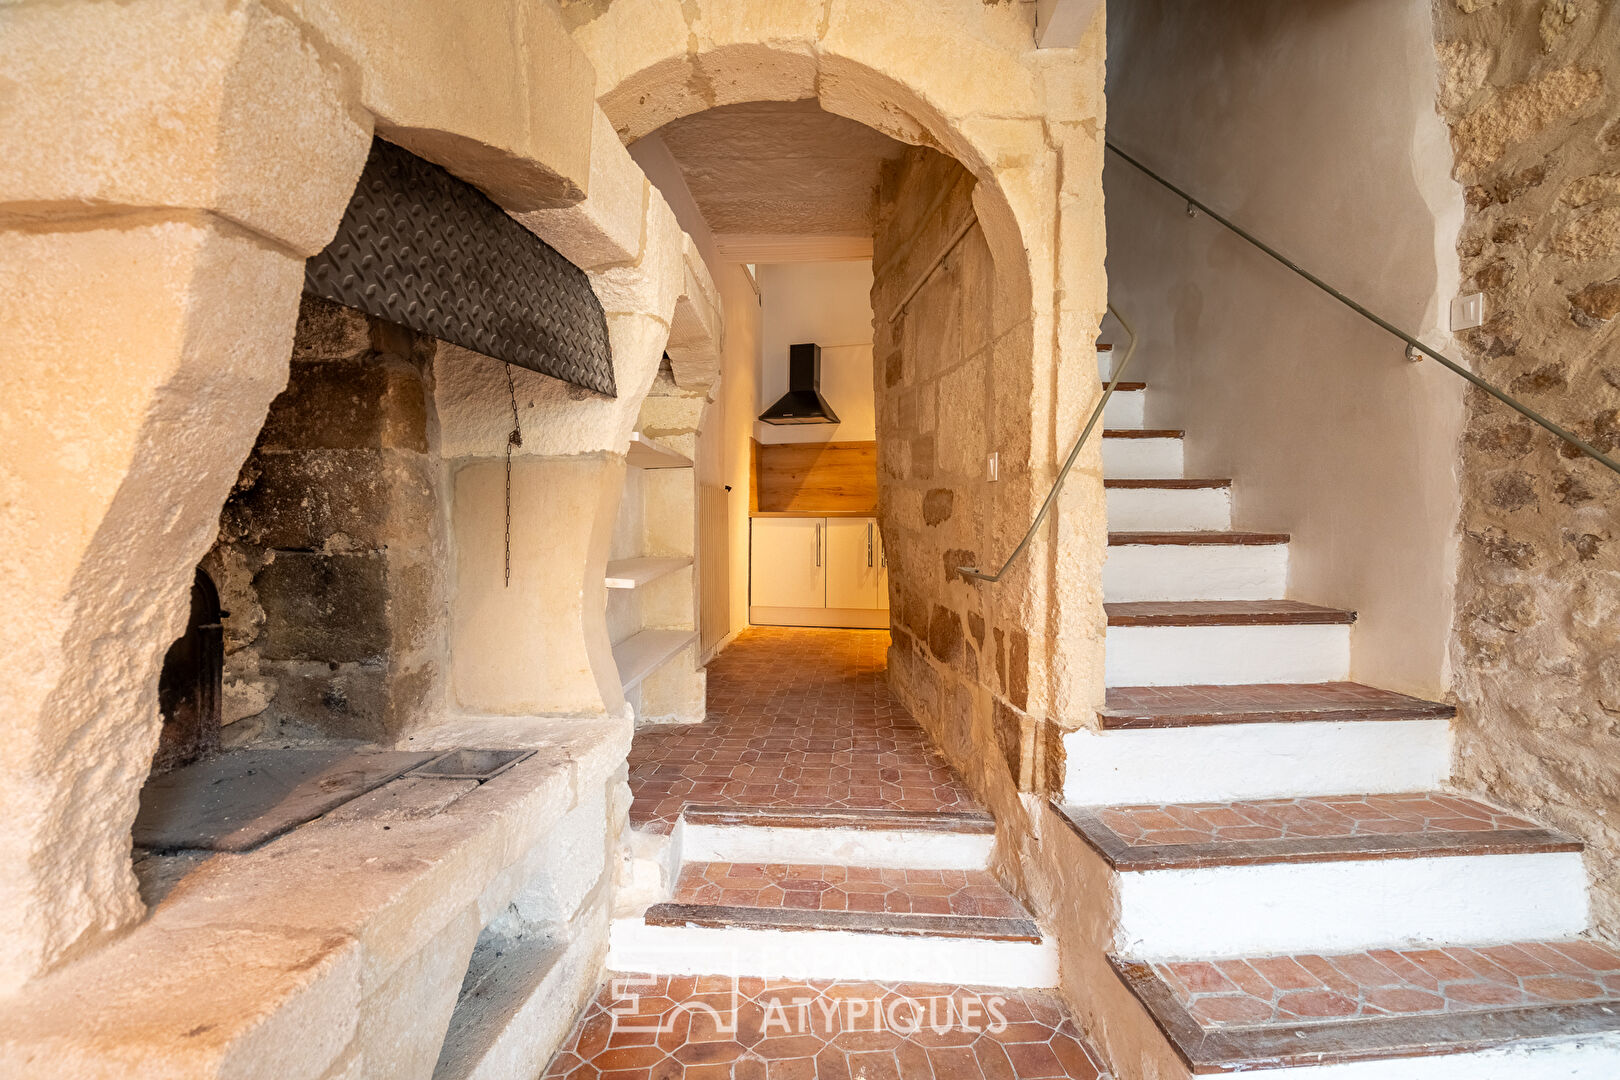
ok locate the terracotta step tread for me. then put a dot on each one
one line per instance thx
(975, 822)
(1174, 483)
(1261, 703)
(882, 922)
(1308, 1009)
(1223, 613)
(1199, 538)
(1125, 387)
(1143, 433)
(1315, 829)
(846, 888)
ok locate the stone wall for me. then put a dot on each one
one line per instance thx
(951, 387)
(1532, 93)
(332, 552)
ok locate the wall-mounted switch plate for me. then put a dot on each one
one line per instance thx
(992, 468)
(1467, 311)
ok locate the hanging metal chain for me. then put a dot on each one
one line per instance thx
(514, 439)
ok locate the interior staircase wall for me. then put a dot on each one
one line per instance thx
(1314, 127)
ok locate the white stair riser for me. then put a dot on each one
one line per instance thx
(1125, 409)
(829, 954)
(1105, 364)
(1228, 655)
(1141, 459)
(1327, 907)
(1195, 572)
(1589, 1057)
(887, 848)
(1169, 509)
(1224, 762)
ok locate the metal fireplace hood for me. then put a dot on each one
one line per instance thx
(803, 403)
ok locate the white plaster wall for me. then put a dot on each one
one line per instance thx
(1313, 126)
(829, 303)
(723, 452)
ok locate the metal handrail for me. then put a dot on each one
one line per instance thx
(1412, 343)
(1074, 455)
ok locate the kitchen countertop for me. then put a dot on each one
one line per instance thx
(870, 512)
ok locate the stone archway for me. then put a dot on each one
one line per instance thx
(960, 77)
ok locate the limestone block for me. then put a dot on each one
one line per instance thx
(695, 330)
(526, 1004)
(499, 94)
(118, 450)
(281, 1005)
(335, 501)
(475, 415)
(1519, 112)
(403, 1021)
(393, 884)
(565, 867)
(370, 402)
(324, 607)
(639, 51)
(653, 283)
(181, 104)
(604, 229)
(674, 694)
(504, 657)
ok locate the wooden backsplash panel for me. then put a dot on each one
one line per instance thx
(815, 478)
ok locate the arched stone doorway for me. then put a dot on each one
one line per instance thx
(994, 670)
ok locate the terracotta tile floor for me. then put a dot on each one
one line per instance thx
(1277, 819)
(1386, 982)
(797, 718)
(846, 888)
(693, 1028)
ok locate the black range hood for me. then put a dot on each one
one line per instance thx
(803, 403)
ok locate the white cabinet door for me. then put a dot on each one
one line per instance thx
(852, 563)
(787, 563)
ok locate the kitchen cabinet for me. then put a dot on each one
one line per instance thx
(815, 571)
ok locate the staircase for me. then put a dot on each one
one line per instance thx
(1298, 890)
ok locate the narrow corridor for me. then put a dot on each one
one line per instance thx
(890, 950)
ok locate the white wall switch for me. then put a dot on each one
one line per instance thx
(1467, 311)
(992, 468)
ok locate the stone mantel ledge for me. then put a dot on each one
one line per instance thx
(258, 965)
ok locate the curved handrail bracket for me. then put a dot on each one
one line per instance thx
(1412, 343)
(1074, 455)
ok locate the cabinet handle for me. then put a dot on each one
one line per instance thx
(869, 545)
(818, 543)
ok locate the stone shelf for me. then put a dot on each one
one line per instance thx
(634, 573)
(641, 654)
(644, 453)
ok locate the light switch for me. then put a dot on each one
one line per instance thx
(992, 468)
(1467, 311)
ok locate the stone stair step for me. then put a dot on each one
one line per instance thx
(833, 921)
(1141, 453)
(1127, 406)
(1195, 565)
(1169, 504)
(1134, 707)
(1311, 829)
(899, 839)
(1338, 872)
(1528, 1010)
(1229, 642)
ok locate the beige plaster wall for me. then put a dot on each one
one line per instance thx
(829, 303)
(1313, 126)
(722, 448)
(1532, 94)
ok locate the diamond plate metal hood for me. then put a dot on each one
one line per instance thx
(803, 403)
